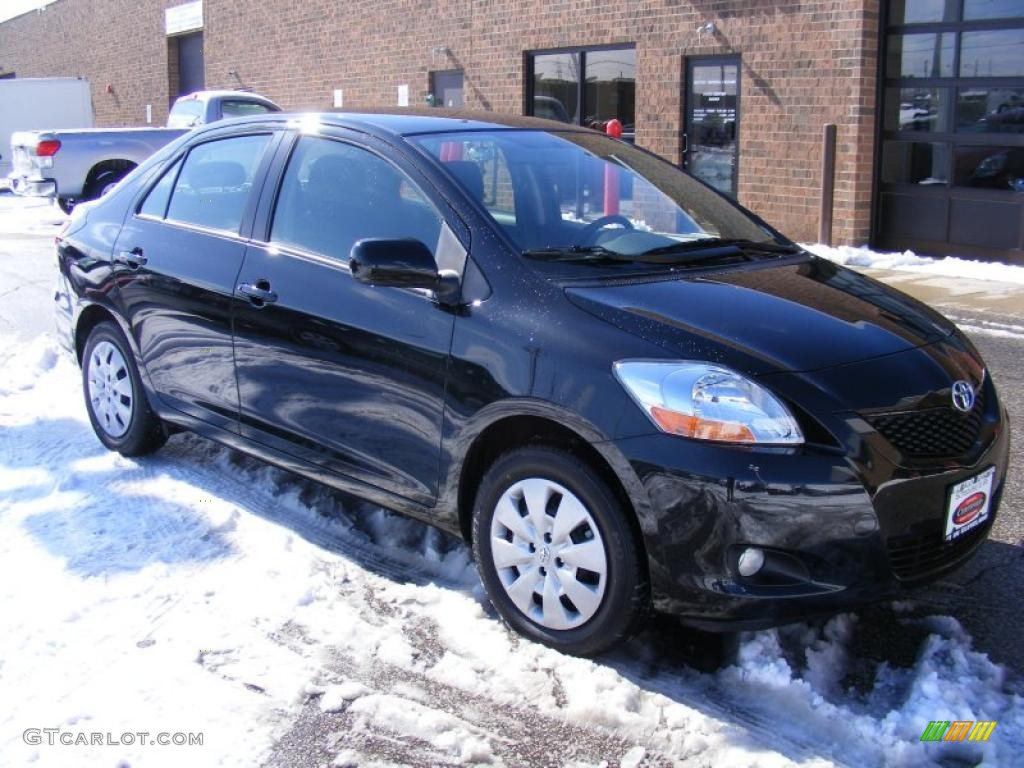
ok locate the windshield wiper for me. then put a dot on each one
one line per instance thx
(711, 246)
(709, 249)
(576, 253)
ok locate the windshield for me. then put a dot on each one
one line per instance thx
(185, 113)
(578, 191)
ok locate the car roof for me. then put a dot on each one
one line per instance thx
(407, 122)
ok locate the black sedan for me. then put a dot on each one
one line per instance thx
(626, 391)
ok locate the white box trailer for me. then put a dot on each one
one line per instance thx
(37, 103)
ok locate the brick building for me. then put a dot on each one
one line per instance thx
(928, 95)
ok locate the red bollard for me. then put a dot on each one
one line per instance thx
(611, 174)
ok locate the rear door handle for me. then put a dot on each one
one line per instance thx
(258, 293)
(133, 258)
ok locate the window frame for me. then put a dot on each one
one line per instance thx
(397, 156)
(173, 166)
(952, 137)
(528, 68)
(259, 179)
(948, 195)
(286, 164)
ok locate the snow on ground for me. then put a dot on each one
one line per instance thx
(908, 261)
(200, 591)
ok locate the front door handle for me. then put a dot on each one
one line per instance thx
(133, 258)
(258, 293)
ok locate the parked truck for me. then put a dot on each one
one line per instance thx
(78, 165)
(28, 103)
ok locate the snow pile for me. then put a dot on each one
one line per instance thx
(908, 261)
(948, 681)
(198, 590)
(29, 215)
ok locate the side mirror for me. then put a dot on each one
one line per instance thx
(404, 263)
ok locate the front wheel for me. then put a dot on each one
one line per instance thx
(556, 552)
(118, 410)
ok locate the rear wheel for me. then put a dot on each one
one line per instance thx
(118, 409)
(103, 183)
(556, 552)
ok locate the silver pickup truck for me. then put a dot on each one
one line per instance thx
(77, 165)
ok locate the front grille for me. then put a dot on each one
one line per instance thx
(930, 433)
(914, 557)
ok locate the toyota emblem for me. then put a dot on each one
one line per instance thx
(963, 396)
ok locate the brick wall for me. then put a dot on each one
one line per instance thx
(804, 63)
(120, 43)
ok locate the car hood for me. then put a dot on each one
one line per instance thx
(805, 316)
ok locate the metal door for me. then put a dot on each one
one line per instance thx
(191, 72)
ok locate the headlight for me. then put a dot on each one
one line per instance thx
(707, 402)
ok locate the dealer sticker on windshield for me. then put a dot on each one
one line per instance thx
(969, 504)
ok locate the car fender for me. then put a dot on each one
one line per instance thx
(457, 446)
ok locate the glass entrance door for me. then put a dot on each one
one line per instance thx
(712, 102)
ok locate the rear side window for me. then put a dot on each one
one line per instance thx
(215, 182)
(242, 108)
(334, 194)
(156, 201)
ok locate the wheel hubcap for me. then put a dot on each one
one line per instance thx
(549, 554)
(110, 389)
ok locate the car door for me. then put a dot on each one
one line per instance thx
(348, 376)
(177, 258)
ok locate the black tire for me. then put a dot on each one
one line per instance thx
(145, 431)
(102, 183)
(626, 598)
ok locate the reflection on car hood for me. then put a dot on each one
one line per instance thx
(798, 317)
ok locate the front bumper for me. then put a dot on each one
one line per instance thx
(29, 186)
(841, 532)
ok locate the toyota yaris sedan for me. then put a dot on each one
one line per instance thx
(626, 391)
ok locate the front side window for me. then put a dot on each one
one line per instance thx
(561, 190)
(334, 194)
(215, 181)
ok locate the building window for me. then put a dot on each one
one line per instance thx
(952, 132)
(584, 86)
(446, 89)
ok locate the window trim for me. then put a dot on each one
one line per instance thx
(259, 179)
(174, 165)
(528, 69)
(952, 137)
(432, 83)
(717, 59)
(282, 161)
